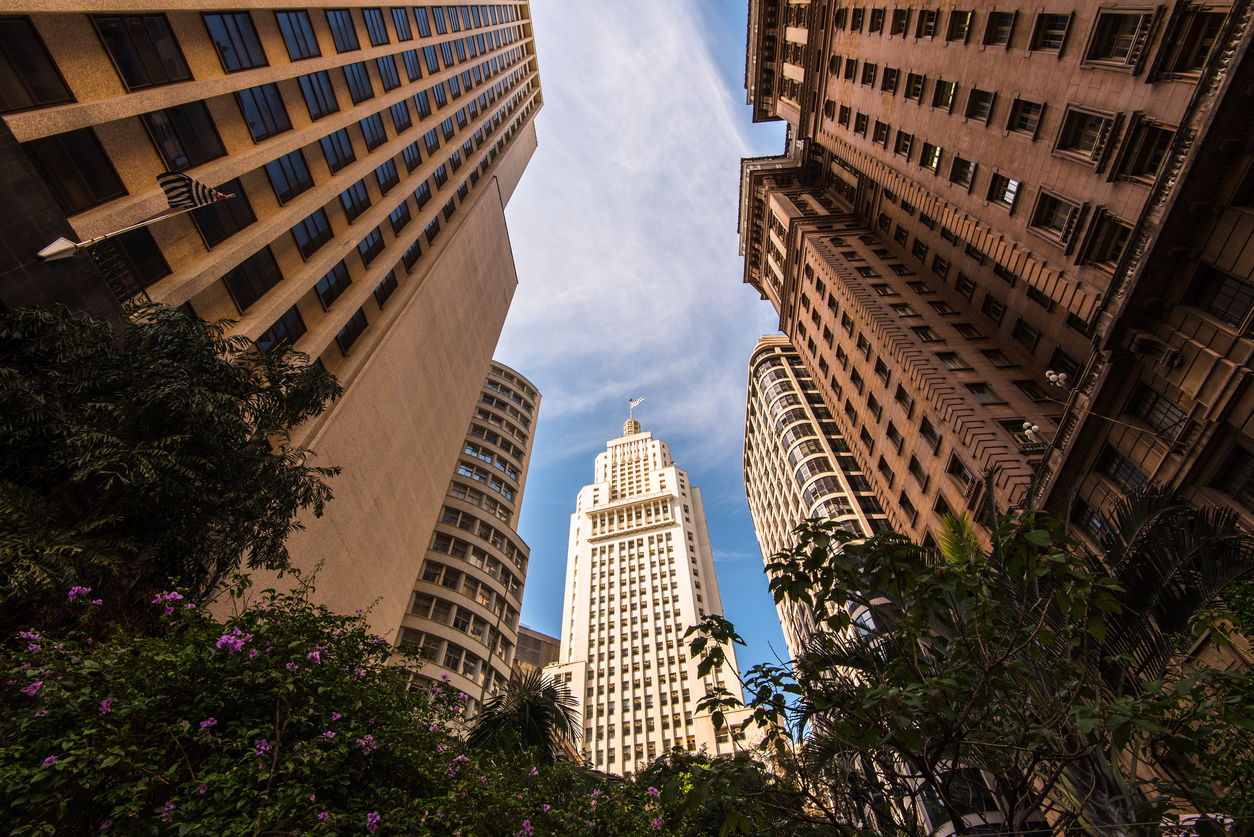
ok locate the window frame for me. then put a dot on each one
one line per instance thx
(96, 20)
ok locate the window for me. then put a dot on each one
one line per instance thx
(855, 19)
(399, 217)
(959, 472)
(914, 86)
(1121, 471)
(432, 230)
(184, 135)
(76, 170)
(375, 26)
(962, 172)
(400, 19)
(1054, 216)
(333, 285)
(351, 331)
(851, 69)
(1025, 334)
(338, 150)
(959, 26)
(999, 28)
(940, 266)
(359, 86)
(374, 132)
(1025, 117)
(450, 207)
(903, 309)
(342, 29)
(236, 39)
(289, 176)
(1237, 480)
(901, 20)
(965, 285)
(319, 96)
(1051, 32)
(869, 71)
(384, 290)
(1194, 38)
(1084, 134)
(441, 176)
(860, 123)
(983, 393)
(1145, 151)
(1032, 390)
(143, 49)
(386, 175)
(995, 357)
(992, 308)
(298, 35)
(919, 249)
(877, 21)
(312, 233)
(843, 117)
(952, 360)
(1109, 239)
(979, 105)
(355, 200)
(411, 256)
(905, 400)
(28, 77)
(387, 72)
(901, 235)
(370, 246)
(926, 333)
(1119, 38)
(250, 279)
(888, 82)
(930, 158)
(926, 26)
(943, 95)
(285, 331)
(880, 136)
(422, 194)
(1222, 295)
(263, 111)
(968, 331)
(222, 219)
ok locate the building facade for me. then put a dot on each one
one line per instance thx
(370, 151)
(463, 613)
(639, 573)
(976, 196)
(535, 651)
(797, 466)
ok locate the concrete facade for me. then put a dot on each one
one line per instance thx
(371, 151)
(975, 196)
(639, 573)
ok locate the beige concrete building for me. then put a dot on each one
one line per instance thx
(975, 196)
(535, 651)
(639, 573)
(797, 466)
(371, 151)
(463, 613)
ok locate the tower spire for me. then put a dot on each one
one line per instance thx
(631, 425)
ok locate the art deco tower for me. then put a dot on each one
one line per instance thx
(639, 572)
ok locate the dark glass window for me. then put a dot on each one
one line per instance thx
(143, 49)
(1122, 472)
(338, 150)
(342, 30)
(387, 176)
(432, 140)
(285, 331)
(433, 62)
(375, 27)
(375, 133)
(400, 19)
(222, 219)
(1159, 412)
(351, 331)
(333, 285)
(298, 35)
(455, 160)
(422, 194)
(433, 229)
(264, 111)
(400, 116)
(387, 72)
(355, 200)
(412, 66)
(142, 255)
(441, 26)
(289, 175)
(424, 23)
(386, 288)
(1223, 295)
(454, 88)
(249, 280)
(423, 103)
(28, 78)
(184, 135)
(1238, 478)
(319, 96)
(441, 176)
(76, 169)
(447, 127)
(399, 217)
(370, 246)
(411, 256)
(412, 157)
(359, 86)
(236, 39)
(312, 233)
(441, 98)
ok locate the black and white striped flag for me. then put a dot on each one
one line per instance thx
(184, 193)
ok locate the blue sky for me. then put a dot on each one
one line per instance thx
(624, 235)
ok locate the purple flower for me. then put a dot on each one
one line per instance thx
(367, 744)
(75, 592)
(527, 829)
(444, 677)
(435, 728)
(201, 790)
(48, 762)
(106, 706)
(209, 723)
(322, 816)
(33, 687)
(335, 716)
(372, 821)
(234, 641)
(106, 825)
(292, 666)
(657, 823)
(316, 656)
(534, 772)
(167, 812)
(463, 697)
(546, 808)
(40, 713)
(261, 746)
(654, 792)
(97, 602)
(328, 735)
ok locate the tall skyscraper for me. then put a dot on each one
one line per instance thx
(639, 572)
(797, 466)
(973, 198)
(463, 613)
(370, 151)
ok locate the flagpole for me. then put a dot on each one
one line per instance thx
(63, 248)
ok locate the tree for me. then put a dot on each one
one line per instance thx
(156, 451)
(532, 714)
(1008, 685)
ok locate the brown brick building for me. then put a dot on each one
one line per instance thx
(974, 196)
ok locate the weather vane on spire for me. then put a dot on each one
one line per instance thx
(634, 403)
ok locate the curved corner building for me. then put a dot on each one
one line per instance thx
(638, 559)
(797, 465)
(464, 610)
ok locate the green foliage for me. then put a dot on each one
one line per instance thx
(286, 719)
(532, 714)
(158, 451)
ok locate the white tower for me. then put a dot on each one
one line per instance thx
(639, 572)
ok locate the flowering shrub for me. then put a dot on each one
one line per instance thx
(284, 719)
